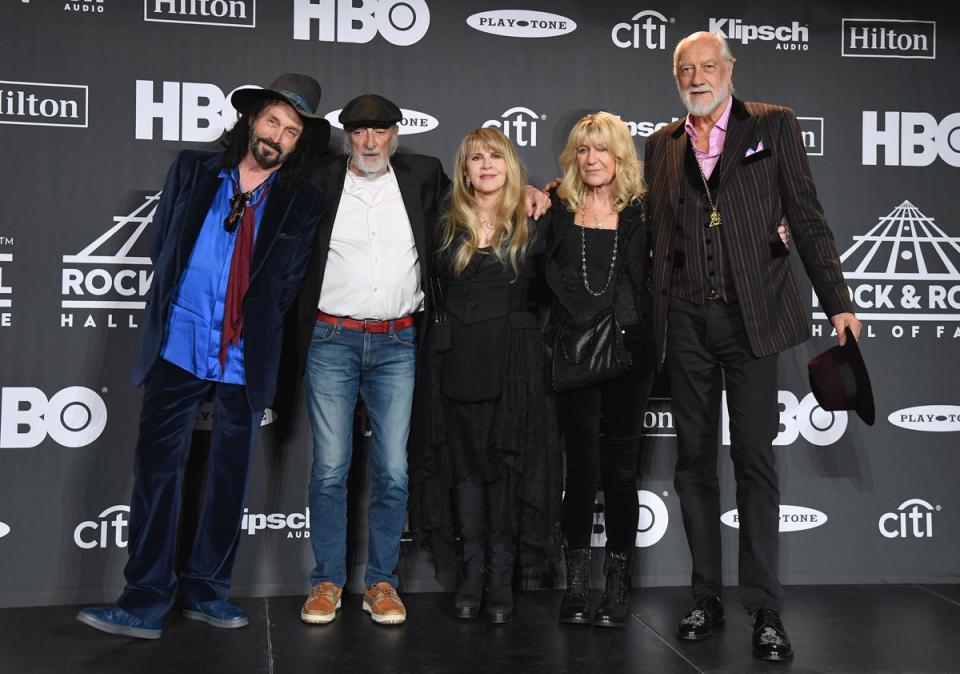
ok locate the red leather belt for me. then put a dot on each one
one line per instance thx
(366, 325)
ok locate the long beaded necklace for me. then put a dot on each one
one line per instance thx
(583, 258)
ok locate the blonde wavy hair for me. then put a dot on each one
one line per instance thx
(602, 129)
(461, 224)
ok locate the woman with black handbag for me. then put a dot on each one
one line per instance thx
(597, 267)
(494, 443)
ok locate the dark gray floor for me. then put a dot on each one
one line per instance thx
(888, 628)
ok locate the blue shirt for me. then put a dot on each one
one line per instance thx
(195, 320)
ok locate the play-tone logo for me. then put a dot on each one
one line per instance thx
(108, 530)
(792, 518)
(73, 417)
(889, 38)
(106, 283)
(196, 112)
(646, 29)
(788, 38)
(910, 138)
(519, 124)
(399, 22)
(912, 519)
(412, 122)
(651, 525)
(228, 13)
(4, 529)
(521, 23)
(811, 131)
(905, 268)
(297, 525)
(931, 418)
(43, 104)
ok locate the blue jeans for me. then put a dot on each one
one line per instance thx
(380, 367)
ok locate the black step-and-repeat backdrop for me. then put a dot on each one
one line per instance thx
(98, 96)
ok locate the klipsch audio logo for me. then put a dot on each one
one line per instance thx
(788, 38)
(521, 23)
(904, 270)
(798, 417)
(811, 132)
(6, 291)
(297, 525)
(644, 129)
(73, 417)
(230, 13)
(912, 519)
(188, 111)
(108, 530)
(651, 524)
(43, 104)
(792, 518)
(399, 22)
(519, 124)
(84, 6)
(106, 283)
(910, 138)
(412, 122)
(889, 38)
(932, 418)
(646, 29)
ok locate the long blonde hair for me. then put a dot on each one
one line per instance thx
(461, 224)
(602, 128)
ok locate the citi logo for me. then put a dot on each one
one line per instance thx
(108, 280)
(788, 38)
(204, 420)
(644, 129)
(230, 13)
(521, 23)
(811, 132)
(519, 124)
(43, 104)
(412, 122)
(651, 524)
(399, 22)
(932, 418)
(913, 519)
(109, 529)
(4, 529)
(792, 518)
(889, 38)
(72, 417)
(798, 418)
(190, 111)
(297, 525)
(910, 138)
(646, 29)
(84, 7)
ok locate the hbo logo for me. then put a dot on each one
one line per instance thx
(400, 22)
(799, 417)
(74, 417)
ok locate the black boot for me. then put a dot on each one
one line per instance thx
(470, 591)
(473, 534)
(501, 549)
(615, 604)
(575, 605)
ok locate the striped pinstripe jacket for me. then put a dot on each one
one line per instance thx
(755, 191)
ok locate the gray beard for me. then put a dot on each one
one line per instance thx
(703, 109)
(369, 166)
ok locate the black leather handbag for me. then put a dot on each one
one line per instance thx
(584, 356)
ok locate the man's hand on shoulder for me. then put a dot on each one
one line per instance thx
(843, 321)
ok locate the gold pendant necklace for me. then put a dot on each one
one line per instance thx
(715, 219)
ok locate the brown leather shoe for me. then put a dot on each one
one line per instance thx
(383, 604)
(322, 604)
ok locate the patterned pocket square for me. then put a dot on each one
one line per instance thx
(754, 150)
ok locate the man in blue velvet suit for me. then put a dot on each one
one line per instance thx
(230, 242)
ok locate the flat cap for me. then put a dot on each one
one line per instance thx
(369, 110)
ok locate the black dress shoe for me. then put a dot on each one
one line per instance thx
(705, 616)
(770, 640)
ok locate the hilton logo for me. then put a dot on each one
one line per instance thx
(889, 38)
(231, 13)
(42, 104)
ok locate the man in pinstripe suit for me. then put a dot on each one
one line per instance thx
(725, 304)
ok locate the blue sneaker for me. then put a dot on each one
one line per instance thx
(114, 620)
(216, 613)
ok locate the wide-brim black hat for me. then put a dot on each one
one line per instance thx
(369, 110)
(302, 92)
(839, 380)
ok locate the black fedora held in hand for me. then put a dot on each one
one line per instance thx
(839, 380)
(302, 92)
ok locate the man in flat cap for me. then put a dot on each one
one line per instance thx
(354, 332)
(230, 242)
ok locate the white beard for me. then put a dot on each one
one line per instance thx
(704, 108)
(370, 165)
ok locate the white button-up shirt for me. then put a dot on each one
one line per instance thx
(373, 270)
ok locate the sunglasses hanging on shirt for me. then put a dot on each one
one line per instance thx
(237, 202)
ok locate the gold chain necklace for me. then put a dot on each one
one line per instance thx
(714, 204)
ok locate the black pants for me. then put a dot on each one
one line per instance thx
(486, 528)
(707, 347)
(614, 410)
